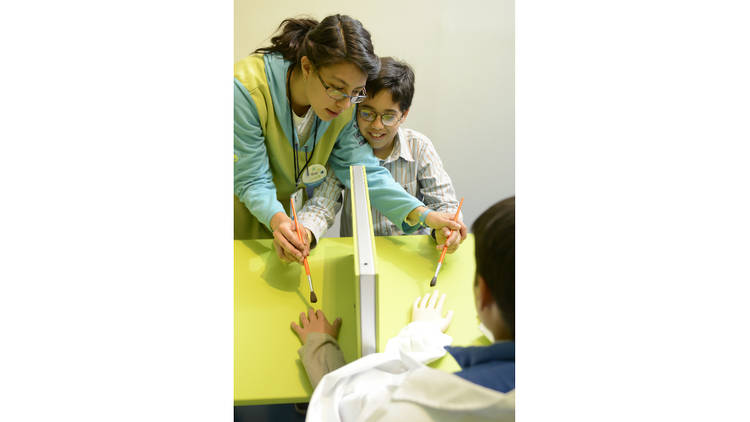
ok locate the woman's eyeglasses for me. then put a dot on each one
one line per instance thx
(337, 95)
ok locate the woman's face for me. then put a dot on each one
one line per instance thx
(344, 77)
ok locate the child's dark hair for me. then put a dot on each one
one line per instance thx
(398, 78)
(495, 252)
(336, 39)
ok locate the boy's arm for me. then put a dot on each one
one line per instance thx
(359, 388)
(320, 352)
(319, 212)
(320, 355)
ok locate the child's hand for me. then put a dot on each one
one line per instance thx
(316, 322)
(453, 239)
(427, 311)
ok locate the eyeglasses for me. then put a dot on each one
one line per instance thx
(388, 118)
(337, 95)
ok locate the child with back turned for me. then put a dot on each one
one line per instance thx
(396, 385)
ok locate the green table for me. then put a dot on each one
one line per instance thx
(269, 294)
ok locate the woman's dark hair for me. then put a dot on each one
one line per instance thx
(495, 252)
(336, 39)
(398, 78)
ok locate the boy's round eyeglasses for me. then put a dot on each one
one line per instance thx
(388, 119)
(337, 95)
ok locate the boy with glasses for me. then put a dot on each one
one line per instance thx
(408, 155)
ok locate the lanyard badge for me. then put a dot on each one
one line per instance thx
(313, 176)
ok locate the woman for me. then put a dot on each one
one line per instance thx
(293, 117)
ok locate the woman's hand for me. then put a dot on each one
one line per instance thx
(446, 230)
(285, 240)
(446, 236)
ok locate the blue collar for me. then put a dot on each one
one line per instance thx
(492, 366)
(476, 355)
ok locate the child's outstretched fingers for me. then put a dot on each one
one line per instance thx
(298, 330)
(310, 314)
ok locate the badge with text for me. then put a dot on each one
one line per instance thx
(313, 175)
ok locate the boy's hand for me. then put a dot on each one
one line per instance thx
(316, 322)
(453, 239)
(285, 239)
(427, 311)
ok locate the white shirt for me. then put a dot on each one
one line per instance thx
(397, 386)
(303, 125)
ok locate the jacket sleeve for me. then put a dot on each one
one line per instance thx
(253, 182)
(360, 388)
(320, 210)
(320, 355)
(421, 341)
(386, 195)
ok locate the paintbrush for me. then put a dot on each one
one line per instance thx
(445, 247)
(313, 297)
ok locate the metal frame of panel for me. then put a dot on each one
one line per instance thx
(364, 262)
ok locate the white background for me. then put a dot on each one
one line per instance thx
(463, 63)
(631, 183)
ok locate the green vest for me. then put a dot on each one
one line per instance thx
(274, 116)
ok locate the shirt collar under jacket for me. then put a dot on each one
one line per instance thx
(276, 69)
(401, 148)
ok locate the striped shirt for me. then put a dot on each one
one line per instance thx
(413, 163)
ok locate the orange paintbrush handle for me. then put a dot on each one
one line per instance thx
(307, 267)
(460, 204)
(442, 255)
(455, 218)
(299, 235)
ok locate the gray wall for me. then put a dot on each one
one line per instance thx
(463, 57)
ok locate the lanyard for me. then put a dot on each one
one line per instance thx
(297, 170)
(295, 153)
